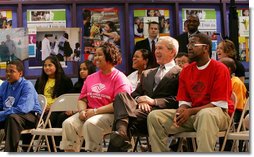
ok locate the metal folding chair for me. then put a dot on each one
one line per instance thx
(65, 102)
(240, 134)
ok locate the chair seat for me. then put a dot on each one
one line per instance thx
(28, 131)
(193, 134)
(242, 135)
(47, 131)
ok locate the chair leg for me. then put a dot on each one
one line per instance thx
(149, 149)
(136, 144)
(31, 143)
(180, 145)
(194, 144)
(54, 143)
(47, 142)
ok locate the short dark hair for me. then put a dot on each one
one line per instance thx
(111, 52)
(77, 45)
(229, 62)
(153, 22)
(18, 63)
(204, 39)
(145, 53)
(86, 14)
(111, 26)
(180, 54)
(66, 35)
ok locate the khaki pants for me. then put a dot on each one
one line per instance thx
(207, 123)
(92, 131)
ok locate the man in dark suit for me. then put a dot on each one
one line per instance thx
(183, 39)
(157, 90)
(149, 43)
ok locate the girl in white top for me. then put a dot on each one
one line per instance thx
(140, 63)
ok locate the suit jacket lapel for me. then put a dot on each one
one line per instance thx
(148, 44)
(163, 81)
(152, 78)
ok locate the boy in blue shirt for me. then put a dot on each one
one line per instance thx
(19, 105)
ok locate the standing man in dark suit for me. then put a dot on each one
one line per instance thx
(183, 39)
(150, 42)
(157, 90)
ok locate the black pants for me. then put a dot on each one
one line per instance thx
(13, 125)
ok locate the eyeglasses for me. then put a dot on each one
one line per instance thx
(195, 45)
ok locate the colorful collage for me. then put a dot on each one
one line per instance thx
(100, 25)
(143, 16)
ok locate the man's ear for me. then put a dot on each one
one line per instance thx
(21, 73)
(206, 47)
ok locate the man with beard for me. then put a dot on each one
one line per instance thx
(192, 26)
(204, 101)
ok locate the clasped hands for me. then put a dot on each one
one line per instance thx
(145, 103)
(181, 116)
(86, 114)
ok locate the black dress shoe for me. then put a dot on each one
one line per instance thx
(120, 141)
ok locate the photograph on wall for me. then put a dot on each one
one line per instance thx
(5, 19)
(49, 18)
(64, 43)
(46, 18)
(13, 44)
(42, 18)
(207, 18)
(100, 24)
(142, 17)
(244, 33)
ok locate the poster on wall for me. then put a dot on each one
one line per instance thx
(207, 18)
(61, 42)
(42, 18)
(100, 24)
(49, 18)
(46, 18)
(244, 32)
(5, 19)
(13, 45)
(142, 17)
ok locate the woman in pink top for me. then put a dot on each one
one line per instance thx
(95, 117)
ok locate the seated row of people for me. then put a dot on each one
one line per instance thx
(107, 101)
(18, 97)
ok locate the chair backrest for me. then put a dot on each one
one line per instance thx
(43, 103)
(245, 109)
(65, 102)
(234, 99)
(231, 121)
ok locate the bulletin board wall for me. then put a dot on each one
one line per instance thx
(126, 8)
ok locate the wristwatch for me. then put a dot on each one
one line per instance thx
(95, 110)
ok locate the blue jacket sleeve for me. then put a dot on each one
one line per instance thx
(24, 103)
(1, 101)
